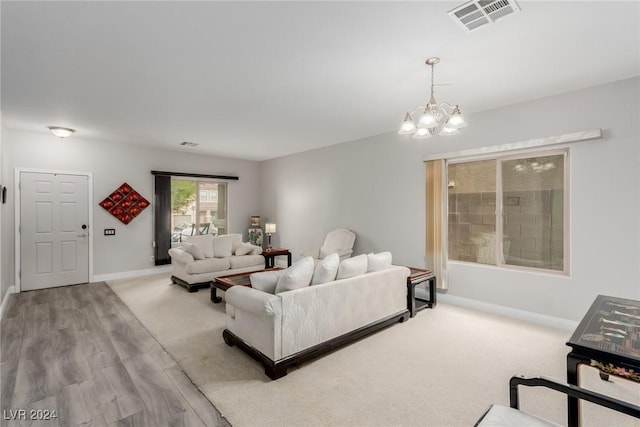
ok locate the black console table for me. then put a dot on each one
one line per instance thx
(607, 338)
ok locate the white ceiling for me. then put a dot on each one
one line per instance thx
(258, 80)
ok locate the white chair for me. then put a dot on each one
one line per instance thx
(511, 416)
(338, 241)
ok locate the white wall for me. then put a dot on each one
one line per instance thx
(111, 165)
(375, 186)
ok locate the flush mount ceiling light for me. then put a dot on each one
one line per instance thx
(61, 132)
(443, 118)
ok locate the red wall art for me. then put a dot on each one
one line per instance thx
(125, 203)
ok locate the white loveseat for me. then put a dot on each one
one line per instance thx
(287, 328)
(203, 258)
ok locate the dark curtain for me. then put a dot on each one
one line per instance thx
(162, 217)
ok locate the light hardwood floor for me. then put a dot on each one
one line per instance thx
(79, 351)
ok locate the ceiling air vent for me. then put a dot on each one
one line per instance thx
(478, 13)
(189, 144)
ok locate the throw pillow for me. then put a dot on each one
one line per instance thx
(204, 243)
(297, 276)
(326, 270)
(379, 261)
(266, 281)
(222, 246)
(245, 249)
(195, 251)
(351, 267)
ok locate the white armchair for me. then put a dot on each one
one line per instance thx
(338, 241)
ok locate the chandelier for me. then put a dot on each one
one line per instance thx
(441, 119)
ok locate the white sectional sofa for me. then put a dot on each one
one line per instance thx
(287, 327)
(203, 258)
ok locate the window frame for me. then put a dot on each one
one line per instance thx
(499, 208)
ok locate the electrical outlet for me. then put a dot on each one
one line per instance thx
(109, 231)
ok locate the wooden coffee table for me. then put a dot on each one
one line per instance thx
(225, 282)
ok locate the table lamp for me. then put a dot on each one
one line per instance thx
(269, 228)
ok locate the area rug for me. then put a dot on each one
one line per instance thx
(442, 368)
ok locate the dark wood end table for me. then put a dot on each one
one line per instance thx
(417, 277)
(225, 282)
(607, 338)
(270, 255)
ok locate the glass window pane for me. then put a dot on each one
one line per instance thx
(183, 199)
(533, 207)
(204, 196)
(472, 205)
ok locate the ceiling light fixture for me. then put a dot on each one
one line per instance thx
(61, 132)
(443, 118)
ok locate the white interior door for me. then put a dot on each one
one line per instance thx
(54, 230)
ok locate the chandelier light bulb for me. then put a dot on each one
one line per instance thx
(456, 120)
(408, 127)
(427, 120)
(422, 133)
(449, 131)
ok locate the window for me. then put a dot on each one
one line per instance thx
(177, 214)
(191, 215)
(509, 211)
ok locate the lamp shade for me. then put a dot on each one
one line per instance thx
(422, 133)
(449, 131)
(407, 128)
(456, 121)
(428, 120)
(269, 228)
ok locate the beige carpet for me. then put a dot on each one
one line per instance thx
(442, 368)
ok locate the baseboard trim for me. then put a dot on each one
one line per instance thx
(10, 290)
(501, 310)
(131, 274)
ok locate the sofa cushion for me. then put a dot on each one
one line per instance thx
(266, 281)
(297, 276)
(204, 243)
(351, 267)
(245, 261)
(222, 246)
(208, 265)
(193, 249)
(379, 261)
(243, 249)
(326, 270)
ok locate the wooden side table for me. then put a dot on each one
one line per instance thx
(270, 256)
(417, 277)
